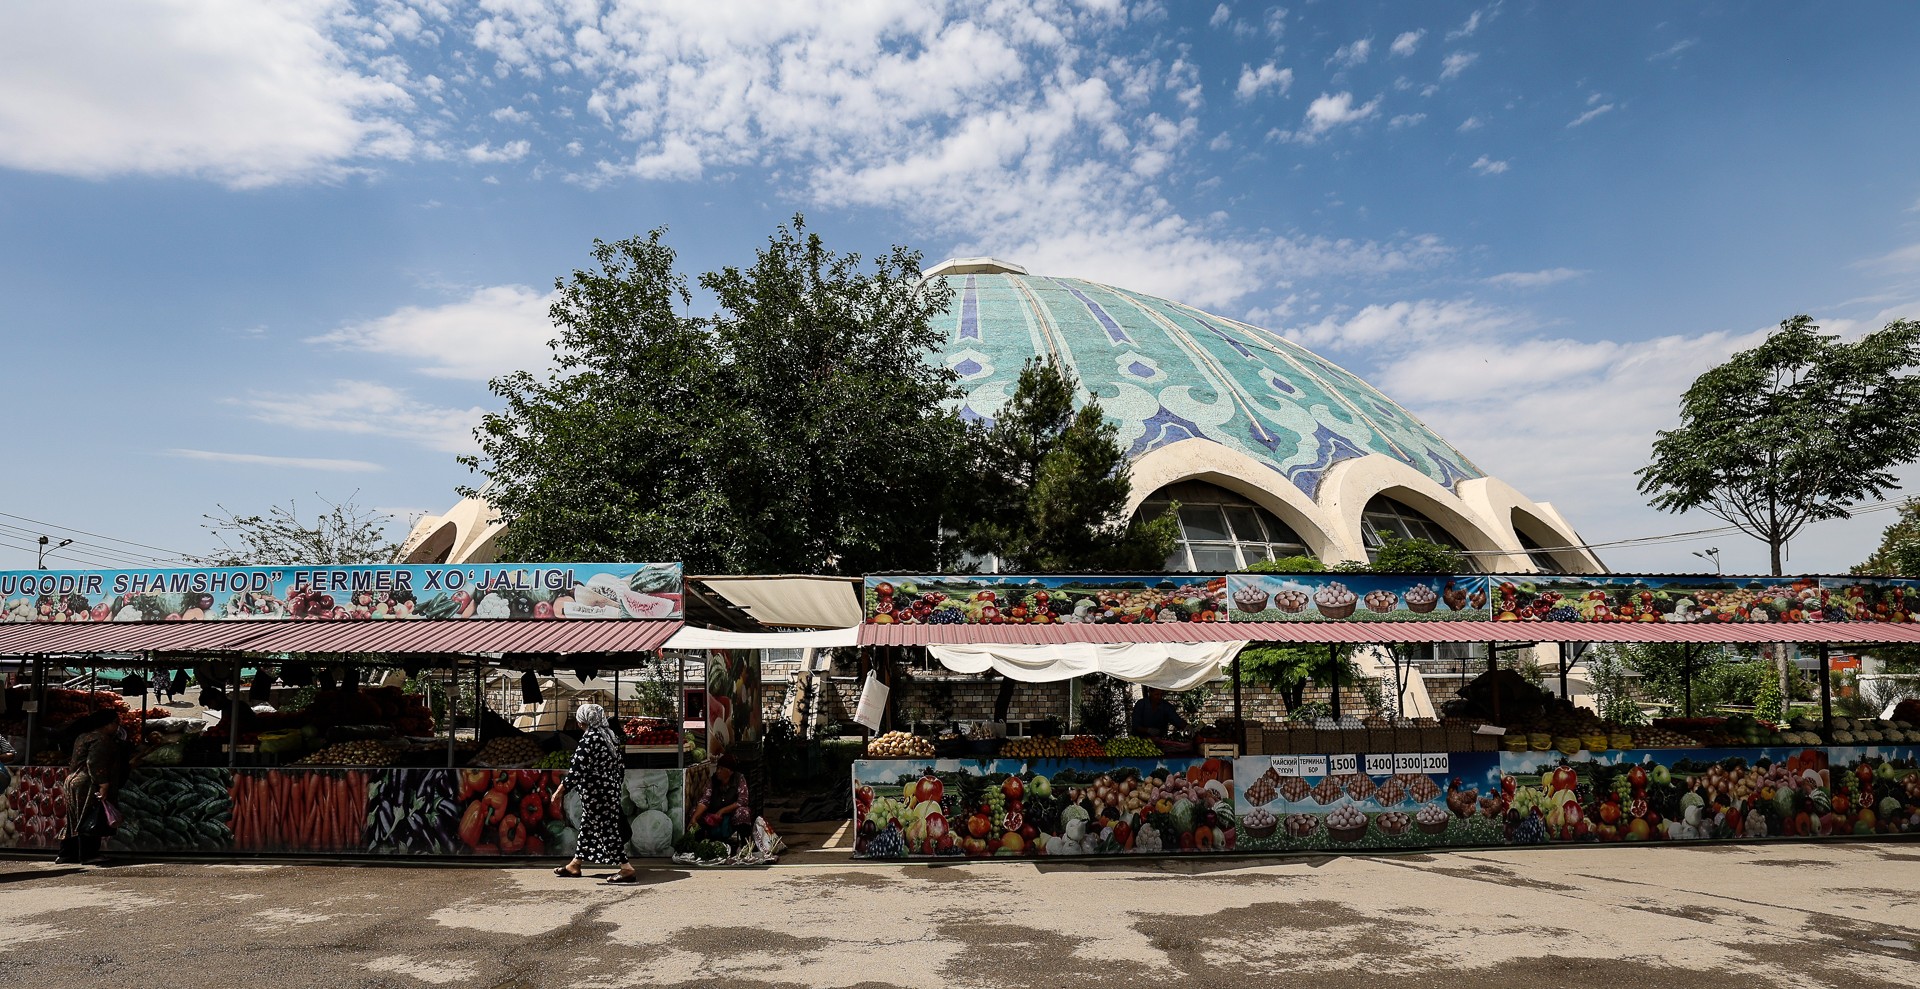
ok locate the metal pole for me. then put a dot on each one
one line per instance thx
(1686, 679)
(1333, 660)
(36, 692)
(1236, 700)
(1826, 696)
(1566, 660)
(453, 696)
(680, 707)
(233, 718)
(479, 700)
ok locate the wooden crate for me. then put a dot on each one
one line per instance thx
(1381, 738)
(1219, 750)
(1253, 736)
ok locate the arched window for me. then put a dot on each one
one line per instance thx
(1396, 518)
(1537, 554)
(1221, 531)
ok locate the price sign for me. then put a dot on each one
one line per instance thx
(1382, 764)
(1406, 762)
(1314, 765)
(1342, 765)
(1286, 765)
(1435, 762)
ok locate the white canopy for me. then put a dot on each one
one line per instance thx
(712, 638)
(1167, 665)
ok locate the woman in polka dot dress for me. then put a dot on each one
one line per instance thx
(597, 773)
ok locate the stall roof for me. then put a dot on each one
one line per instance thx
(413, 636)
(1385, 632)
(791, 600)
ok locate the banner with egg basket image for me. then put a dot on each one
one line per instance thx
(979, 808)
(1011, 599)
(1712, 794)
(1356, 597)
(1301, 803)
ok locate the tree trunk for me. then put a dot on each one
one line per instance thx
(1773, 546)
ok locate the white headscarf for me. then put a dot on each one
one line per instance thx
(593, 718)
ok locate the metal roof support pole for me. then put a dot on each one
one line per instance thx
(1566, 660)
(679, 708)
(1826, 695)
(1239, 725)
(37, 694)
(479, 700)
(1493, 664)
(453, 696)
(233, 718)
(1686, 678)
(1334, 664)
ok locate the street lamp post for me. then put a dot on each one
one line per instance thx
(41, 564)
(1712, 555)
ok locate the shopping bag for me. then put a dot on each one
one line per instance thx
(112, 813)
(93, 821)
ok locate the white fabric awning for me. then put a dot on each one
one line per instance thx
(1167, 665)
(713, 638)
(792, 601)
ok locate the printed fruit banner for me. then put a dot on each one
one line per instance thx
(1706, 794)
(175, 809)
(1355, 597)
(1619, 598)
(733, 699)
(33, 809)
(1870, 599)
(556, 590)
(1006, 599)
(1348, 802)
(1012, 807)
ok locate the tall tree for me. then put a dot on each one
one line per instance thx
(1898, 555)
(344, 534)
(1053, 483)
(1796, 430)
(799, 428)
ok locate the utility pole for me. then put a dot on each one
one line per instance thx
(41, 562)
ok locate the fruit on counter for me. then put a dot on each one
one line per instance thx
(900, 745)
(351, 754)
(1132, 748)
(512, 750)
(1037, 747)
(1085, 747)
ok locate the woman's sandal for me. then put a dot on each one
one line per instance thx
(632, 879)
(566, 873)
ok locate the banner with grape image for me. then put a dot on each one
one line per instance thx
(1014, 599)
(979, 808)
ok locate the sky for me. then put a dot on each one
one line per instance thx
(258, 253)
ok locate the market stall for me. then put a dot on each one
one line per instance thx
(310, 755)
(1514, 769)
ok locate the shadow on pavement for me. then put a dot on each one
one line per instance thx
(26, 874)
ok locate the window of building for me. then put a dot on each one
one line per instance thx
(1541, 559)
(1221, 531)
(1384, 514)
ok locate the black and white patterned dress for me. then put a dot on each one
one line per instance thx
(596, 775)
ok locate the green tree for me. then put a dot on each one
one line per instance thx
(1796, 430)
(1291, 669)
(343, 535)
(1898, 555)
(1053, 483)
(797, 429)
(1613, 685)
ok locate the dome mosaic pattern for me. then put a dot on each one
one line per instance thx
(1165, 372)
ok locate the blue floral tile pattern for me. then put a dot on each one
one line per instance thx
(1166, 372)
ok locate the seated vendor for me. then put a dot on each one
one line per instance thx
(1154, 716)
(724, 810)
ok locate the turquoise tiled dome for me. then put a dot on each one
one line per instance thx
(1165, 372)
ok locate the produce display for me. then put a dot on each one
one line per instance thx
(1037, 747)
(1008, 600)
(653, 800)
(351, 754)
(649, 731)
(1132, 748)
(175, 810)
(34, 809)
(899, 745)
(412, 811)
(319, 810)
(1014, 807)
(510, 812)
(511, 751)
(1085, 747)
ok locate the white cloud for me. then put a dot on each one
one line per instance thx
(1352, 54)
(1221, 15)
(1267, 76)
(1488, 166)
(1534, 279)
(1402, 325)
(1221, 142)
(1407, 42)
(1330, 110)
(1590, 114)
(244, 93)
(1467, 29)
(1673, 49)
(1406, 120)
(509, 115)
(1470, 124)
(1456, 63)
(494, 331)
(485, 153)
(267, 460)
(367, 408)
(1900, 259)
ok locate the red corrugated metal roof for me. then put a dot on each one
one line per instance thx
(1367, 632)
(416, 636)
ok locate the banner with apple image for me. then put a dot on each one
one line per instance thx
(1015, 599)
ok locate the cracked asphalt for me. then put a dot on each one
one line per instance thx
(1789, 915)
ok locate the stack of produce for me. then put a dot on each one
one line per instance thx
(557, 759)
(1037, 747)
(1085, 747)
(178, 810)
(508, 751)
(1661, 738)
(980, 731)
(652, 735)
(312, 810)
(900, 745)
(351, 754)
(1866, 731)
(1134, 748)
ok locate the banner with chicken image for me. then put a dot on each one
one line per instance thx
(642, 591)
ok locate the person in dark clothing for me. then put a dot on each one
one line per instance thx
(93, 771)
(725, 808)
(1154, 716)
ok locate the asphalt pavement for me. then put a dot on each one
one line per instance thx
(1840, 914)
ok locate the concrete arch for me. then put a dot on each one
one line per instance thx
(1225, 467)
(1351, 484)
(437, 545)
(1500, 501)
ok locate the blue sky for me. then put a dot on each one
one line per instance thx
(257, 252)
